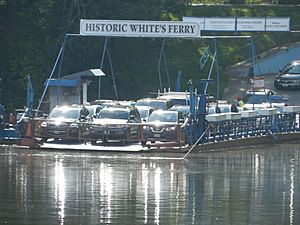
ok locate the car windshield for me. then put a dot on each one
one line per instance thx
(153, 104)
(256, 99)
(144, 113)
(183, 109)
(291, 69)
(93, 109)
(180, 101)
(67, 113)
(170, 117)
(113, 114)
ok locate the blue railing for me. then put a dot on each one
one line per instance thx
(249, 127)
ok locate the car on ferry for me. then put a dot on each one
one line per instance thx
(64, 123)
(177, 98)
(289, 76)
(258, 96)
(263, 98)
(165, 126)
(184, 109)
(155, 103)
(145, 112)
(94, 110)
(115, 124)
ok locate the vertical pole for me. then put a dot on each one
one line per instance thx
(192, 100)
(217, 70)
(191, 128)
(101, 66)
(158, 67)
(200, 117)
(253, 62)
(253, 55)
(201, 111)
(84, 93)
(178, 82)
(166, 68)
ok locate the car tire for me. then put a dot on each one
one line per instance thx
(183, 141)
(104, 140)
(277, 87)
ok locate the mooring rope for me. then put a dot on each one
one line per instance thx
(196, 143)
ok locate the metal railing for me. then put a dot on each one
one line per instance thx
(251, 127)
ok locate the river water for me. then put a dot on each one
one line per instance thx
(246, 186)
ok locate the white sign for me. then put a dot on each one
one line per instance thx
(241, 24)
(278, 24)
(259, 82)
(199, 20)
(97, 72)
(219, 24)
(251, 24)
(135, 28)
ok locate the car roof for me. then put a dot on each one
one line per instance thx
(152, 99)
(161, 111)
(144, 107)
(297, 61)
(69, 106)
(118, 107)
(180, 106)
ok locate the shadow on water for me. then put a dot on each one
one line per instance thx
(248, 186)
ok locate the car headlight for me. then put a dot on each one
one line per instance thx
(146, 127)
(74, 125)
(117, 126)
(44, 124)
(170, 128)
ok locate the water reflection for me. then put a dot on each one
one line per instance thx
(60, 192)
(238, 187)
(157, 183)
(292, 192)
(106, 188)
(145, 183)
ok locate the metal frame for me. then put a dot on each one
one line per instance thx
(198, 117)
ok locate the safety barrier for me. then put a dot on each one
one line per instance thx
(253, 126)
(216, 131)
(113, 132)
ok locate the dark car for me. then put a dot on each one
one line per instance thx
(184, 109)
(94, 110)
(145, 112)
(165, 126)
(63, 123)
(289, 76)
(117, 123)
(258, 96)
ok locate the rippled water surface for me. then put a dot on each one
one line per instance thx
(249, 186)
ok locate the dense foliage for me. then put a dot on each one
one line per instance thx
(32, 32)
